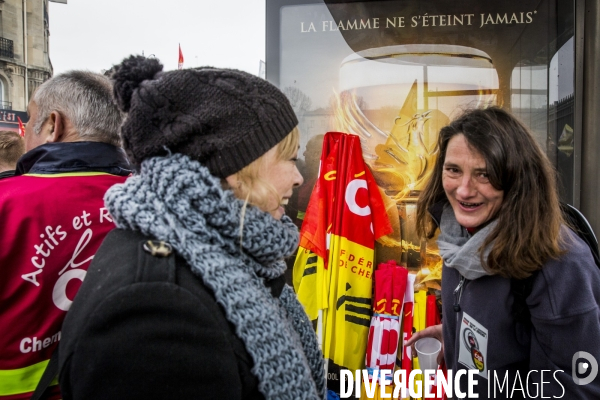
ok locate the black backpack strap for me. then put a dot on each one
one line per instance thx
(521, 288)
(582, 228)
(48, 376)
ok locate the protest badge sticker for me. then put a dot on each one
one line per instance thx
(473, 345)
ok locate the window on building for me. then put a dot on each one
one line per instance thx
(2, 97)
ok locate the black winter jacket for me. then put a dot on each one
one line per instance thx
(145, 327)
(521, 362)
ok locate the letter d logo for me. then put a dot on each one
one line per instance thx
(583, 367)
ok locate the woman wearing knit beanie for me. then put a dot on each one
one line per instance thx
(186, 299)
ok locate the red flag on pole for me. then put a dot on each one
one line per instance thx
(180, 62)
(21, 127)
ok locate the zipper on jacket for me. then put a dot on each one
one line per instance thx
(458, 293)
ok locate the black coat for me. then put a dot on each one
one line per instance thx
(145, 327)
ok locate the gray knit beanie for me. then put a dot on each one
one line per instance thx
(223, 118)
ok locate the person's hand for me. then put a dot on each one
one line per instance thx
(434, 331)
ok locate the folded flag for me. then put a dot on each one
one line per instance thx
(334, 267)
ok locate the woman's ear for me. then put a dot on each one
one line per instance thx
(233, 181)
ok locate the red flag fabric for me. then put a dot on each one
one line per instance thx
(21, 127)
(384, 333)
(322, 218)
(180, 62)
(334, 267)
(433, 313)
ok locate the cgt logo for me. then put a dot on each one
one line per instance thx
(584, 364)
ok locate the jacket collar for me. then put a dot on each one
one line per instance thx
(7, 174)
(53, 158)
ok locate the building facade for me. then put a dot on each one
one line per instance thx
(24, 51)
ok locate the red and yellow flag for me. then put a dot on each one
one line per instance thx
(335, 263)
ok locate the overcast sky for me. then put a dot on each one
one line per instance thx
(96, 34)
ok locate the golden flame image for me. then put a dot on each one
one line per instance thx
(402, 162)
(399, 143)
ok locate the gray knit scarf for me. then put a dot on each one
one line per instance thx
(177, 200)
(459, 249)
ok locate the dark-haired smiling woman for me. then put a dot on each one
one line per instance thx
(493, 197)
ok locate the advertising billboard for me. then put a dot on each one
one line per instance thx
(395, 72)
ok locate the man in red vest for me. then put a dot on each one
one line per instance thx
(53, 220)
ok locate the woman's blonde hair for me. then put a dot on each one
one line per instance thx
(251, 186)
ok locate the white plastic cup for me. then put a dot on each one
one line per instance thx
(427, 351)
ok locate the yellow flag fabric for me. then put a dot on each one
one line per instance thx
(419, 324)
(310, 282)
(347, 321)
(334, 266)
(348, 318)
(420, 310)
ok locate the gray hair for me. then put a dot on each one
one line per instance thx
(85, 99)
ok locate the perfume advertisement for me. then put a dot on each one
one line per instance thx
(395, 72)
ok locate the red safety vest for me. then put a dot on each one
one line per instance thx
(50, 229)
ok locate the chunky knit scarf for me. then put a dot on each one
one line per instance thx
(177, 200)
(459, 249)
